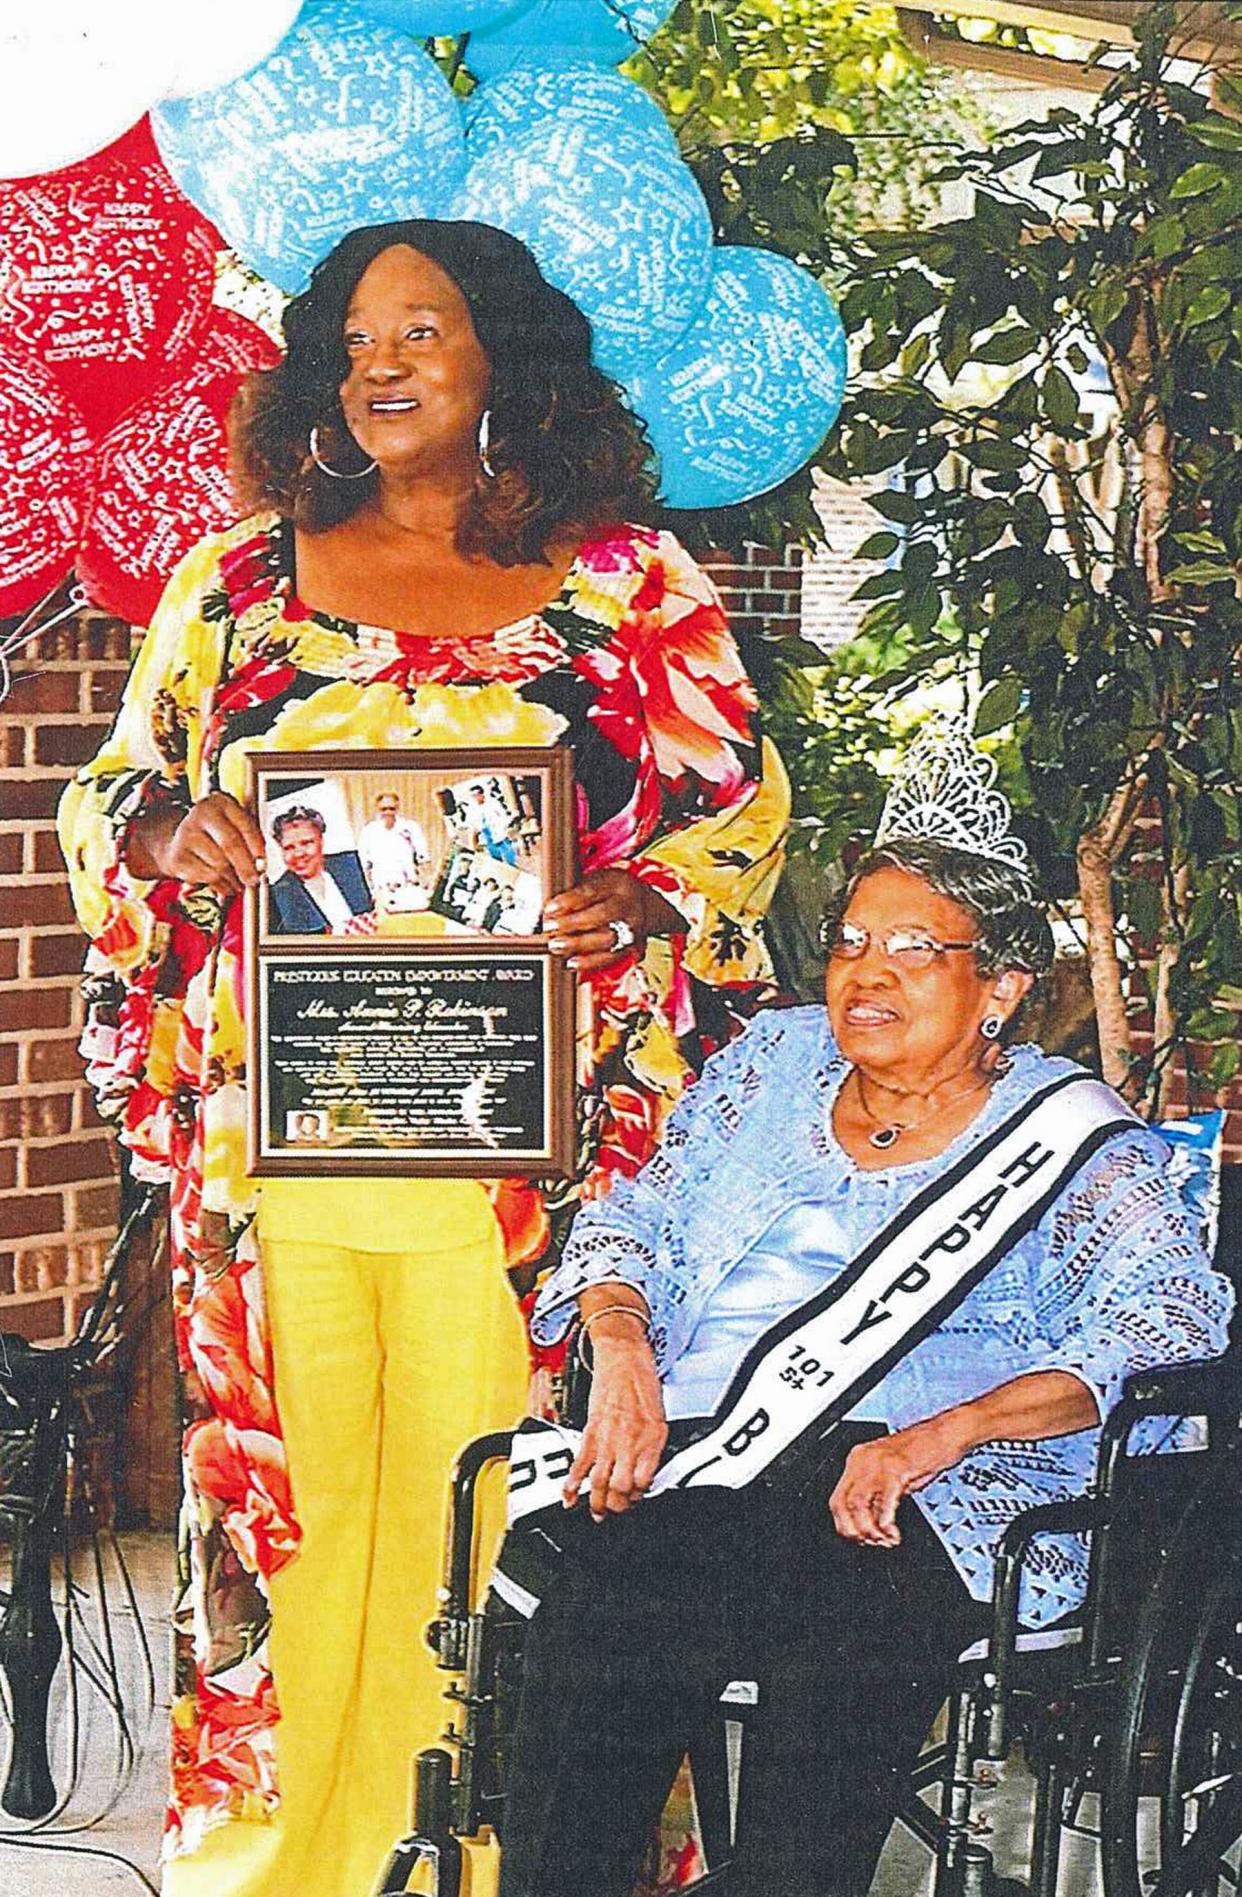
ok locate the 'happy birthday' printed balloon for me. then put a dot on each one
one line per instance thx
(443, 19)
(558, 32)
(615, 219)
(163, 478)
(747, 395)
(529, 95)
(45, 452)
(106, 274)
(345, 123)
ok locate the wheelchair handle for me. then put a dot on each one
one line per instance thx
(447, 1634)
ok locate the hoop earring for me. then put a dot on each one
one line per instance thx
(485, 442)
(335, 474)
(992, 1026)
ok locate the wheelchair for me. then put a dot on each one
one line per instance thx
(1129, 1719)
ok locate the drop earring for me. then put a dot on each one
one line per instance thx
(992, 1026)
(485, 442)
(335, 474)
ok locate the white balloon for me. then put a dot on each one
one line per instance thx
(74, 76)
(213, 44)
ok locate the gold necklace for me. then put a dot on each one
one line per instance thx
(888, 1132)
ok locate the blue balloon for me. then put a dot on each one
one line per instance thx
(557, 32)
(747, 395)
(443, 19)
(614, 218)
(345, 123)
(507, 108)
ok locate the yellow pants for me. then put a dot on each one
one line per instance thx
(387, 1361)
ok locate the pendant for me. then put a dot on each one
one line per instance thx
(884, 1136)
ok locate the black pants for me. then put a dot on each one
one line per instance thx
(652, 1614)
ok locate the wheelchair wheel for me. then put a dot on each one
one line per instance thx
(1171, 1819)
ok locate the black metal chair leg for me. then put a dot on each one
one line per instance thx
(1046, 1845)
(30, 1647)
(963, 1867)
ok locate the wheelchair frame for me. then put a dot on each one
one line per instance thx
(1143, 1705)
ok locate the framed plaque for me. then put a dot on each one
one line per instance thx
(406, 1015)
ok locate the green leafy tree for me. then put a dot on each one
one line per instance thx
(1053, 387)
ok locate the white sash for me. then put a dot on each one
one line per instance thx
(812, 1367)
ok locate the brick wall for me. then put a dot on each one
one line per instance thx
(58, 1193)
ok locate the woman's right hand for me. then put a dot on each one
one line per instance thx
(626, 1431)
(216, 845)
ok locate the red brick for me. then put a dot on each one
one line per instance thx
(48, 860)
(68, 744)
(38, 1320)
(57, 954)
(25, 1008)
(47, 690)
(22, 802)
(8, 958)
(8, 1167)
(6, 1278)
(28, 1214)
(11, 853)
(95, 1208)
(8, 1066)
(55, 1060)
(12, 747)
(36, 905)
(107, 682)
(87, 1115)
(38, 1115)
(69, 1161)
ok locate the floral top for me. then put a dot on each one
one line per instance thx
(1112, 1279)
(633, 667)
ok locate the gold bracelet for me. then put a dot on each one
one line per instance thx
(606, 1310)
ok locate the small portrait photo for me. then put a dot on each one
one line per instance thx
(308, 1126)
(316, 882)
(415, 849)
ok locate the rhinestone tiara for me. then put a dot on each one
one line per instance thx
(944, 792)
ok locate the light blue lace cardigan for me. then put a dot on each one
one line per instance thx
(1112, 1280)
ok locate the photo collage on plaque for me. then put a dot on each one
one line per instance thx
(409, 854)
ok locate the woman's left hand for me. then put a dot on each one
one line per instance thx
(878, 1474)
(580, 919)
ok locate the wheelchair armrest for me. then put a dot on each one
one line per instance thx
(1062, 1518)
(1191, 1389)
(1212, 1389)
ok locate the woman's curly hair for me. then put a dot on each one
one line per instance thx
(564, 448)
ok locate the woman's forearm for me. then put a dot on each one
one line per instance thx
(1027, 1409)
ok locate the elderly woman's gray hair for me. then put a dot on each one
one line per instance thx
(1011, 922)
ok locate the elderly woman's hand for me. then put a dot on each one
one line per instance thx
(581, 918)
(626, 1431)
(215, 845)
(878, 1474)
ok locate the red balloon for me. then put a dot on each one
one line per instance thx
(162, 479)
(106, 274)
(232, 341)
(47, 457)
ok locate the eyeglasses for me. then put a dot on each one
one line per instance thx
(906, 948)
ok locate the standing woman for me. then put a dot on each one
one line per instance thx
(447, 556)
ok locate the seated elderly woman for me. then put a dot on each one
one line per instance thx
(881, 1231)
